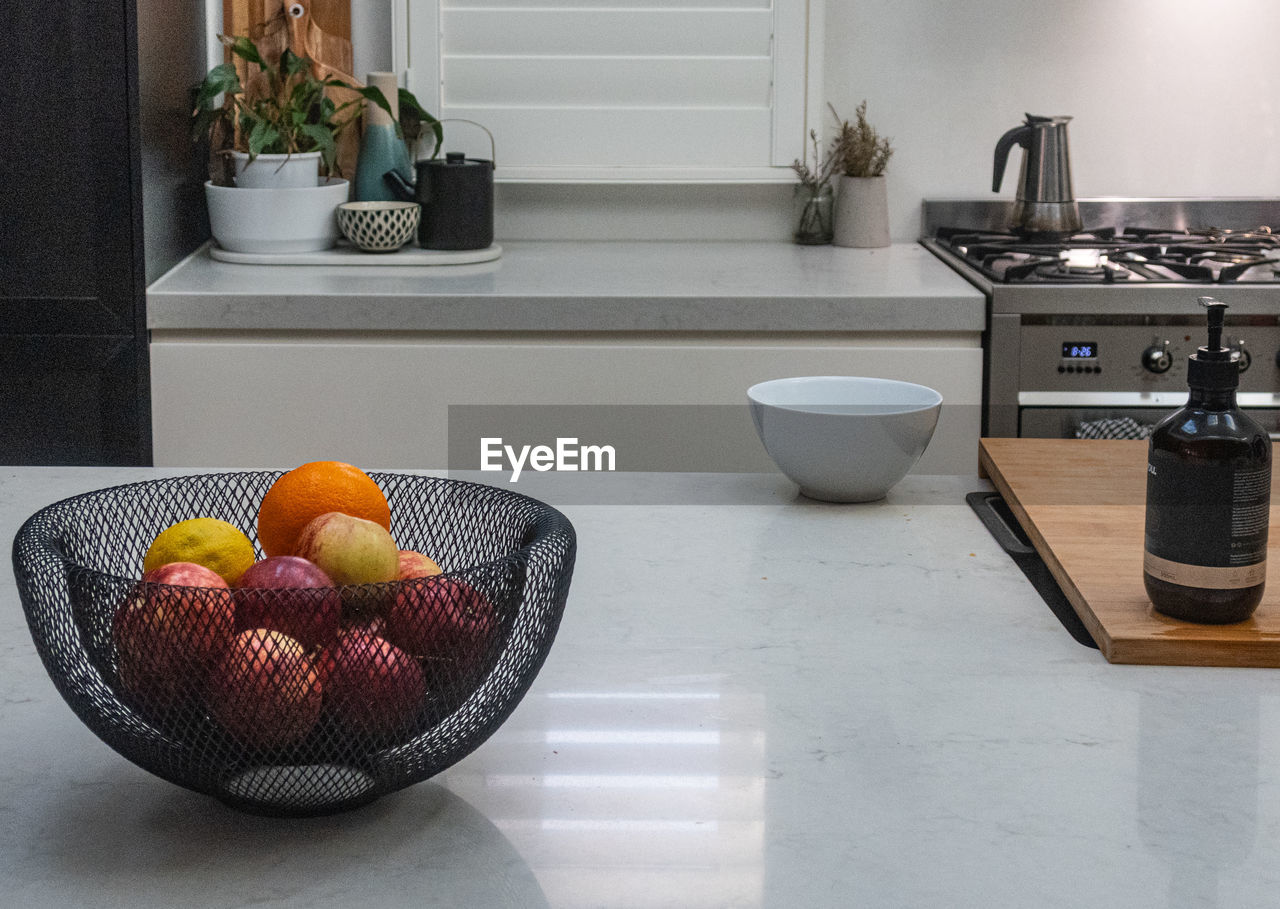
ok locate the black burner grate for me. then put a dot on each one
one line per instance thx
(1136, 254)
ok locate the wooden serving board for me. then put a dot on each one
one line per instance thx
(321, 33)
(1082, 503)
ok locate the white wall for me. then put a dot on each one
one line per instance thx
(371, 37)
(1170, 98)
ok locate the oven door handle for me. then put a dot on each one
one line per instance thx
(1170, 399)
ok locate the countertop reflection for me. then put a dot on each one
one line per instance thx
(754, 700)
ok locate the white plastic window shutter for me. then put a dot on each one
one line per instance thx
(619, 89)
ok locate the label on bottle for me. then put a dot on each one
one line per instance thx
(1206, 522)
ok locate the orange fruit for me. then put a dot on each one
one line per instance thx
(311, 490)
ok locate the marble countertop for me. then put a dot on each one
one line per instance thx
(754, 700)
(583, 286)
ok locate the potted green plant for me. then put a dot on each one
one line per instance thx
(283, 121)
(279, 129)
(862, 208)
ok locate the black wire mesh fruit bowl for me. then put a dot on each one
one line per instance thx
(249, 694)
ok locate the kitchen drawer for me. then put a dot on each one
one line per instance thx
(383, 400)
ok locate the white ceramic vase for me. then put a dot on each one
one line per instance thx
(295, 171)
(862, 213)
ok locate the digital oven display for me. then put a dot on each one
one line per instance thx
(1079, 350)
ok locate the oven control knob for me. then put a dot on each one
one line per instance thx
(1242, 355)
(1156, 358)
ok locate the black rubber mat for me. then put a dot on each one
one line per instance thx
(995, 515)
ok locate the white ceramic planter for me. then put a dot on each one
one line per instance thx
(301, 169)
(275, 220)
(862, 213)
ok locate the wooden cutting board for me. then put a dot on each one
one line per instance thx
(1082, 503)
(322, 32)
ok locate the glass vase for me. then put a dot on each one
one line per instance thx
(812, 214)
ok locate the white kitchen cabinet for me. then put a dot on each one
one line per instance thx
(270, 366)
(277, 399)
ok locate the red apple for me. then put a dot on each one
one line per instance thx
(290, 595)
(442, 619)
(265, 690)
(372, 626)
(326, 656)
(350, 550)
(415, 565)
(323, 659)
(170, 629)
(374, 688)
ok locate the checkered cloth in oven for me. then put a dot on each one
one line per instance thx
(1113, 428)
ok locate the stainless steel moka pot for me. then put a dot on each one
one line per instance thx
(1045, 206)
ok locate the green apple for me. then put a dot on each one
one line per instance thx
(349, 550)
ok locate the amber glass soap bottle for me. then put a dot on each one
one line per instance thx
(1208, 495)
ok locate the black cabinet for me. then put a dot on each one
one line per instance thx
(74, 383)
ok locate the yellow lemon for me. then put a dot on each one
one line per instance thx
(215, 544)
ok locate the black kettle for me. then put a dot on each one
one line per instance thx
(456, 195)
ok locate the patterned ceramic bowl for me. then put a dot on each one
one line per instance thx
(379, 226)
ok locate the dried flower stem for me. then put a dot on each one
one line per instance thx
(861, 151)
(824, 166)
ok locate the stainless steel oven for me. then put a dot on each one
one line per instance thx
(1089, 334)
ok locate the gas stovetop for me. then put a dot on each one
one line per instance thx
(1112, 255)
(1141, 258)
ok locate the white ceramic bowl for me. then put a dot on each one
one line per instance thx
(379, 226)
(844, 438)
(300, 219)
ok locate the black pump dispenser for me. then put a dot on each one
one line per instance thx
(1208, 495)
(1213, 367)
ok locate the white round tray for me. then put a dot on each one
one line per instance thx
(346, 254)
